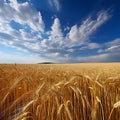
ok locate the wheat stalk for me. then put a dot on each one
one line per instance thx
(116, 105)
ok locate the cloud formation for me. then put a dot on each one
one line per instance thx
(19, 58)
(55, 3)
(21, 13)
(22, 27)
(80, 35)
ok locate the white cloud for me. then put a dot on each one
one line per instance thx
(113, 48)
(100, 50)
(104, 57)
(67, 28)
(109, 51)
(77, 36)
(110, 47)
(81, 35)
(21, 13)
(93, 58)
(55, 39)
(74, 34)
(24, 15)
(93, 45)
(13, 58)
(55, 3)
(56, 28)
(56, 45)
(113, 42)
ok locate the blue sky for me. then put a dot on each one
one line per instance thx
(33, 31)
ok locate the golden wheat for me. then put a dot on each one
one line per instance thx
(88, 91)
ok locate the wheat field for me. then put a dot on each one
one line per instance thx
(85, 91)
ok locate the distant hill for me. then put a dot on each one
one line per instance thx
(47, 63)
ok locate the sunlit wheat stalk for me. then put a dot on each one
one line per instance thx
(116, 105)
(101, 107)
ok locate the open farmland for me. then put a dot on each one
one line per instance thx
(86, 91)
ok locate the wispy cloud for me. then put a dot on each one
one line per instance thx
(30, 32)
(32, 25)
(79, 35)
(103, 57)
(113, 42)
(55, 37)
(55, 3)
(19, 58)
(112, 47)
(21, 13)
